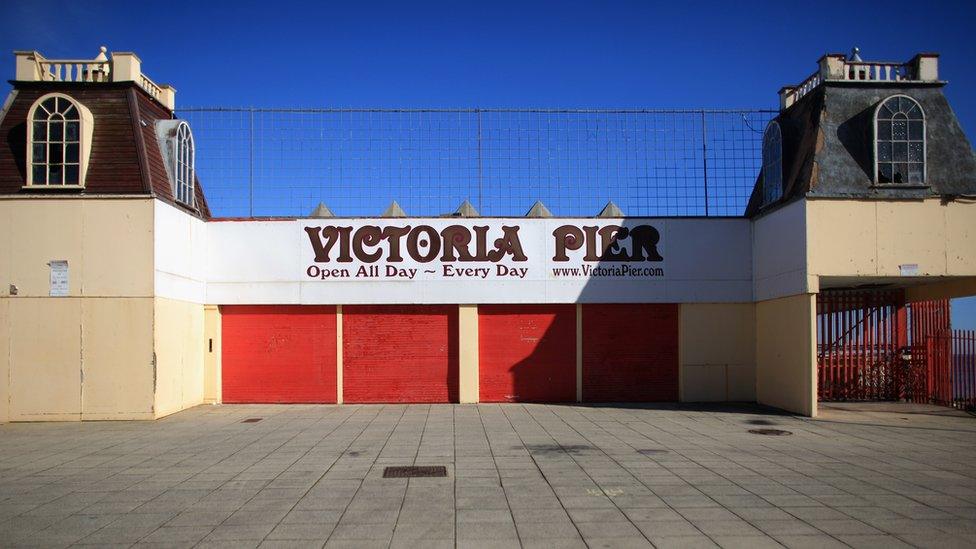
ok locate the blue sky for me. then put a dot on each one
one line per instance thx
(498, 54)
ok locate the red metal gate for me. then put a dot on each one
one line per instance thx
(952, 375)
(872, 345)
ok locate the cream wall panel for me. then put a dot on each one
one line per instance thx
(961, 238)
(4, 360)
(212, 392)
(468, 374)
(107, 243)
(117, 358)
(703, 383)
(42, 230)
(717, 342)
(786, 364)
(779, 241)
(945, 289)
(45, 357)
(117, 248)
(740, 382)
(717, 333)
(179, 343)
(911, 232)
(194, 353)
(6, 249)
(843, 237)
(873, 238)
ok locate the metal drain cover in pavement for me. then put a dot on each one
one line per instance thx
(252, 420)
(770, 432)
(414, 471)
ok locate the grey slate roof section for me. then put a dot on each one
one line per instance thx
(828, 145)
(846, 160)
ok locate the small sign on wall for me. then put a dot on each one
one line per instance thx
(59, 277)
(908, 269)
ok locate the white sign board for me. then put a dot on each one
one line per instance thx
(480, 250)
(476, 260)
(59, 277)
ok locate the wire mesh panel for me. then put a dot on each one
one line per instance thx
(283, 162)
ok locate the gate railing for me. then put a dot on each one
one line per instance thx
(872, 345)
(952, 368)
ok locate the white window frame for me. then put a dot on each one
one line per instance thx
(184, 165)
(85, 127)
(767, 164)
(874, 132)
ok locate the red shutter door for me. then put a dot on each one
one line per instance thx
(630, 353)
(527, 353)
(400, 353)
(278, 353)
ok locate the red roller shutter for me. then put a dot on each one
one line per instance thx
(278, 353)
(527, 353)
(630, 353)
(400, 353)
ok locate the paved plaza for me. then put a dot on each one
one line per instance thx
(529, 475)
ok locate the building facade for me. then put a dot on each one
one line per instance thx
(122, 298)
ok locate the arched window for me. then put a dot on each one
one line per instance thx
(899, 141)
(772, 164)
(183, 164)
(59, 134)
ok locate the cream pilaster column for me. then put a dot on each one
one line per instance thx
(468, 389)
(212, 355)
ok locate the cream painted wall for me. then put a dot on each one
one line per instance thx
(212, 388)
(45, 364)
(786, 364)
(108, 245)
(718, 352)
(117, 358)
(468, 374)
(872, 238)
(87, 355)
(4, 360)
(71, 359)
(178, 336)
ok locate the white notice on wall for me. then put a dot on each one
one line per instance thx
(908, 269)
(59, 277)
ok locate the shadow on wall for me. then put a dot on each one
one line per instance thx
(629, 349)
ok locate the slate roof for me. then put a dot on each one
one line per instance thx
(828, 145)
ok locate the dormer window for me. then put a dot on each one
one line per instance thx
(899, 125)
(183, 164)
(772, 167)
(59, 136)
(176, 142)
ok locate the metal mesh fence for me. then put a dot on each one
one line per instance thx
(282, 162)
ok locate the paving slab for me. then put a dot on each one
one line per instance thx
(527, 475)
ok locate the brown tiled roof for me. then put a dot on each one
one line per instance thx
(125, 154)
